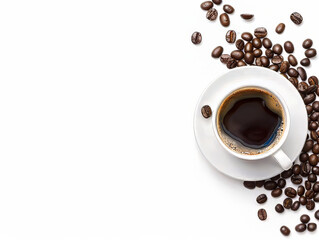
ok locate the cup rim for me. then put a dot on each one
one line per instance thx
(271, 151)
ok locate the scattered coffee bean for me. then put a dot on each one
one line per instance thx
(302, 73)
(196, 38)
(309, 194)
(224, 19)
(247, 36)
(295, 206)
(224, 58)
(260, 32)
(316, 197)
(232, 63)
(267, 43)
(313, 80)
(296, 169)
(312, 227)
(314, 116)
(260, 183)
(315, 186)
(285, 231)
(212, 14)
(249, 58)
(276, 192)
(228, 8)
(315, 106)
(257, 43)
(311, 52)
(314, 135)
(277, 48)
(240, 44)
(241, 63)
(292, 60)
(302, 87)
(217, 52)
(280, 28)
(206, 5)
(278, 60)
(296, 18)
(305, 169)
(284, 67)
(309, 98)
(317, 214)
(300, 190)
(313, 158)
(257, 53)
(275, 178)
(237, 54)
(304, 218)
(307, 43)
(279, 208)
(312, 177)
(307, 186)
(303, 200)
(274, 67)
(249, 47)
(265, 61)
(262, 198)
(296, 179)
(310, 205)
(249, 184)
(269, 53)
(293, 72)
(206, 111)
(289, 47)
(281, 183)
(300, 227)
(270, 185)
(287, 203)
(247, 16)
(262, 214)
(231, 36)
(290, 192)
(217, 2)
(305, 62)
(288, 173)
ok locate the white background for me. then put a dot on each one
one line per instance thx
(96, 111)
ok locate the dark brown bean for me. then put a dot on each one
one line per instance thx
(313, 159)
(284, 67)
(289, 47)
(206, 111)
(260, 183)
(249, 47)
(302, 87)
(305, 62)
(217, 2)
(228, 8)
(313, 80)
(315, 170)
(274, 67)
(257, 43)
(300, 190)
(260, 32)
(232, 63)
(303, 200)
(312, 177)
(212, 14)
(224, 58)
(287, 203)
(267, 43)
(315, 148)
(302, 73)
(296, 169)
(293, 72)
(262, 198)
(280, 28)
(285, 231)
(281, 183)
(277, 48)
(247, 16)
(241, 63)
(247, 36)
(270, 185)
(290, 192)
(304, 218)
(316, 197)
(294, 81)
(217, 52)
(249, 57)
(231, 36)
(206, 5)
(265, 61)
(309, 98)
(287, 173)
(262, 214)
(307, 43)
(313, 126)
(309, 111)
(257, 52)
(312, 227)
(314, 135)
(224, 19)
(292, 60)
(296, 179)
(308, 146)
(279, 208)
(237, 54)
(296, 18)
(300, 227)
(295, 206)
(310, 205)
(310, 53)
(240, 44)
(317, 214)
(196, 38)
(307, 185)
(269, 53)
(309, 194)
(249, 184)
(276, 192)
(277, 59)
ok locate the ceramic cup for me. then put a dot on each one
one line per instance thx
(276, 152)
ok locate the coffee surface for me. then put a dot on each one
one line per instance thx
(251, 123)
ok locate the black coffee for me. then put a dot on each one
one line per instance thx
(252, 123)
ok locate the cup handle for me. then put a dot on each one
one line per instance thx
(282, 159)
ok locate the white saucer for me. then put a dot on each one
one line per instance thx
(216, 154)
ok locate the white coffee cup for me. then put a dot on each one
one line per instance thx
(276, 151)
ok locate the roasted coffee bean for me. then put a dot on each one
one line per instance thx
(313, 80)
(228, 8)
(305, 169)
(294, 81)
(293, 72)
(249, 47)
(206, 111)
(250, 184)
(315, 170)
(290, 192)
(287, 203)
(314, 115)
(295, 179)
(300, 190)
(280, 28)
(269, 53)
(249, 57)
(307, 43)
(312, 177)
(305, 62)
(310, 53)
(295, 206)
(241, 63)
(265, 61)
(284, 67)
(260, 183)
(217, 2)
(260, 32)
(288, 173)
(315, 106)
(317, 214)
(301, 227)
(296, 169)
(206, 5)
(276, 192)
(270, 185)
(224, 19)
(258, 62)
(217, 52)
(312, 227)
(212, 14)
(247, 16)
(296, 18)
(292, 60)
(308, 146)
(262, 214)
(232, 63)
(231, 36)
(279, 208)
(262, 198)
(237, 54)
(224, 58)
(302, 73)
(240, 44)
(313, 126)
(247, 36)
(316, 197)
(312, 89)
(314, 136)
(267, 43)
(302, 87)
(304, 218)
(315, 187)
(313, 159)
(303, 200)
(289, 47)
(277, 60)
(285, 231)
(277, 48)
(281, 183)
(275, 68)
(309, 194)
(196, 38)
(309, 98)
(257, 43)
(310, 205)
(307, 185)
(257, 52)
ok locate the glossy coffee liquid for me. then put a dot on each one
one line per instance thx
(250, 121)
